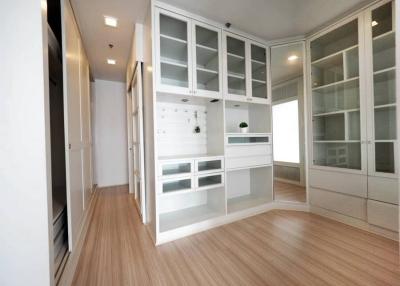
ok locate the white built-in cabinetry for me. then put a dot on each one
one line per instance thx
(354, 166)
(208, 81)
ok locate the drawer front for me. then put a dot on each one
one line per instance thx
(249, 161)
(383, 189)
(383, 215)
(242, 151)
(351, 184)
(209, 165)
(210, 181)
(175, 185)
(340, 203)
(171, 169)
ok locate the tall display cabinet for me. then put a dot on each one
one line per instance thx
(353, 164)
(207, 80)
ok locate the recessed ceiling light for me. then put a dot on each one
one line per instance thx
(374, 23)
(110, 21)
(111, 61)
(292, 58)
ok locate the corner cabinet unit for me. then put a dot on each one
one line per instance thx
(352, 99)
(206, 82)
(188, 56)
(245, 69)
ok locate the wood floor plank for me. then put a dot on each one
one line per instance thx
(275, 248)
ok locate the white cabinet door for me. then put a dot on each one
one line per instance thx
(73, 124)
(173, 52)
(207, 63)
(382, 137)
(236, 67)
(337, 95)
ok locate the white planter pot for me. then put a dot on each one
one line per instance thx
(244, 130)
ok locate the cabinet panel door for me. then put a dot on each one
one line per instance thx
(382, 99)
(207, 63)
(235, 66)
(338, 130)
(258, 67)
(173, 52)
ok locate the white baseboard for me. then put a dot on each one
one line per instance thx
(355, 222)
(297, 183)
(70, 266)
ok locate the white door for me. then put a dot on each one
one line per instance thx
(73, 123)
(137, 141)
(130, 140)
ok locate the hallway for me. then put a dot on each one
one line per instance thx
(254, 251)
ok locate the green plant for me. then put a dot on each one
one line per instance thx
(243, 125)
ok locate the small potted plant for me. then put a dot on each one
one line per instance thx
(244, 127)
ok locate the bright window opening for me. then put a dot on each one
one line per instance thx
(286, 132)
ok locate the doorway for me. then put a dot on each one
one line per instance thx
(287, 85)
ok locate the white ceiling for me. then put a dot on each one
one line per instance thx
(96, 36)
(267, 19)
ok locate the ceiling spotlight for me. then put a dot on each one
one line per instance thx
(185, 100)
(110, 21)
(293, 58)
(374, 23)
(111, 61)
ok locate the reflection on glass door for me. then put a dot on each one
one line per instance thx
(384, 99)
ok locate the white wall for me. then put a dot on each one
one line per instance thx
(110, 133)
(25, 168)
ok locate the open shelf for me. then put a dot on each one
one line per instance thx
(189, 208)
(257, 116)
(248, 188)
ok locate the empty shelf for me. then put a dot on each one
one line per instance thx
(245, 202)
(176, 219)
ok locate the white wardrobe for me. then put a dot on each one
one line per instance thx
(353, 143)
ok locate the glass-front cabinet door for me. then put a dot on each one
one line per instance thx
(235, 70)
(173, 53)
(335, 83)
(382, 119)
(207, 76)
(258, 73)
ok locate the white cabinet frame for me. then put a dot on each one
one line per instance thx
(165, 87)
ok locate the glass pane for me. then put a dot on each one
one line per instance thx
(209, 165)
(177, 185)
(246, 140)
(383, 44)
(207, 59)
(336, 98)
(339, 155)
(335, 41)
(176, 168)
(384, 157)
(236, 66)
(210, 180)
(382, 20)
(258, 71)
(173, 51)
(329, 127)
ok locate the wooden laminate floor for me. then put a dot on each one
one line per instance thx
(275, 248)
(289, 192)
